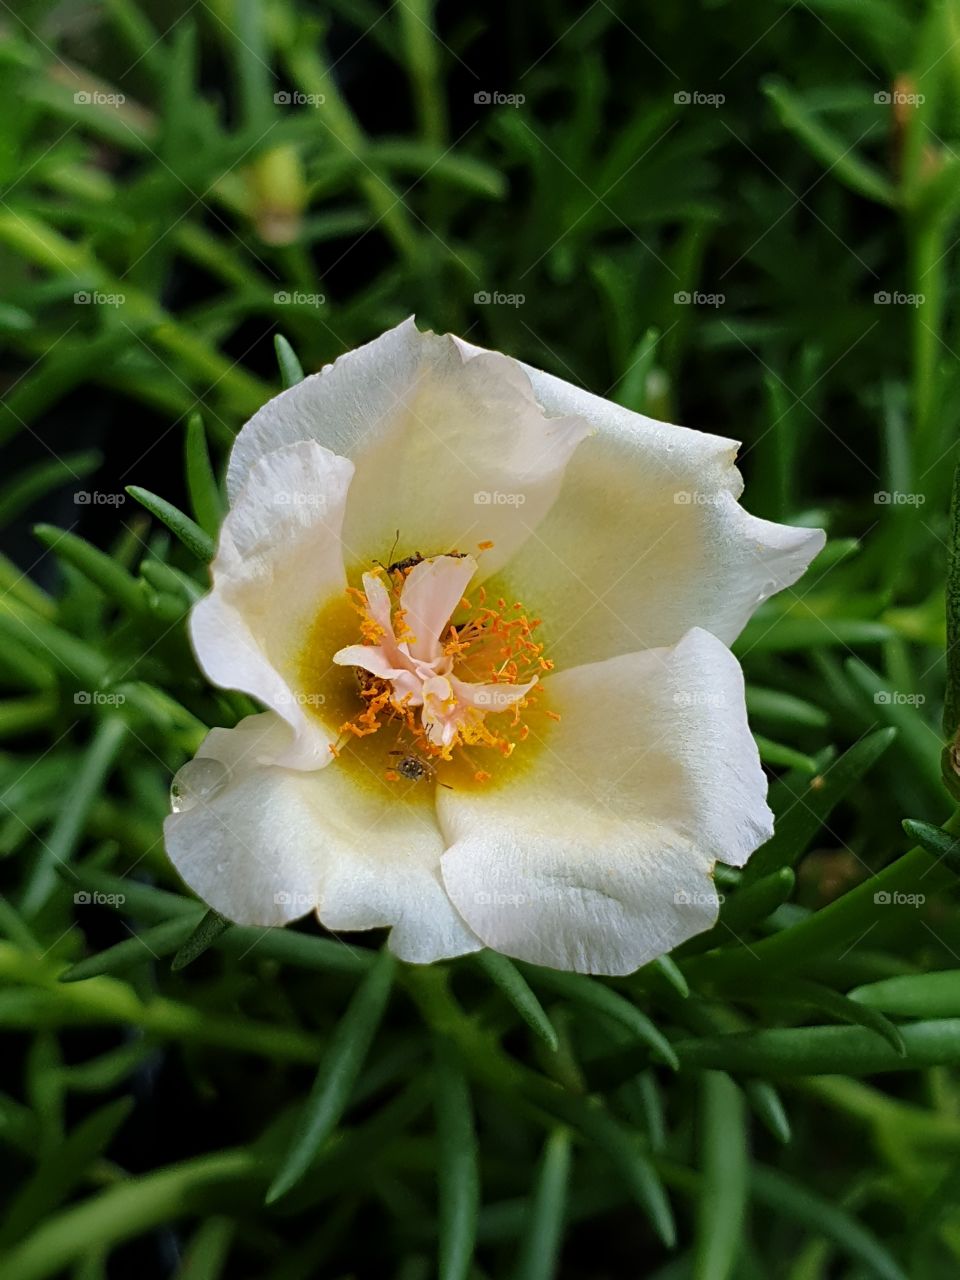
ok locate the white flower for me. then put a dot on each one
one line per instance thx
(488, 613)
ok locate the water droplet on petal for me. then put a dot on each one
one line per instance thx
(198, 780)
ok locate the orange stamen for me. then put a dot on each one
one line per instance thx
(493, 646)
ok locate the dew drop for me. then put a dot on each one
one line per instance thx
(198, 780)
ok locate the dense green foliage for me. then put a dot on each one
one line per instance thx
(739, 217)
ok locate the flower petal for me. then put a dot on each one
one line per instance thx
(490, 698)
(266, 845)
(378, 603)
(369, 656)
(647, 538)
(450, 446)
(598, 857)
(278, 561)
(432, 591)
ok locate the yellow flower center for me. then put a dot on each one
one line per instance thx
(492, 645)
(456, 718)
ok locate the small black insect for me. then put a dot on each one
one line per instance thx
(408, 562)
(415, 768)
(394, 565)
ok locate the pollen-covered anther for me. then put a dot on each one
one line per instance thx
(444, 680)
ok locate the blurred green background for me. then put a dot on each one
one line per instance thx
(740, 217)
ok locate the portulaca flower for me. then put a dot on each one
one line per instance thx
(488, 615)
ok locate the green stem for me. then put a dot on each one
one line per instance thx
(841, 923)
(416, 24)
(863, 1102)
(313, 76)
(40, 244)
(24, 715)
(927, 244)
(824, 1050)
(79, 799)
(124, 1211)
(109, 1000)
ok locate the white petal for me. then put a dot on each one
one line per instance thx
(451, 448)
(278, 562)
(271, 844)
(647, 539)
(369, 656)
(378, 602)
(432, 591)
(598, 856)
(490, 698)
